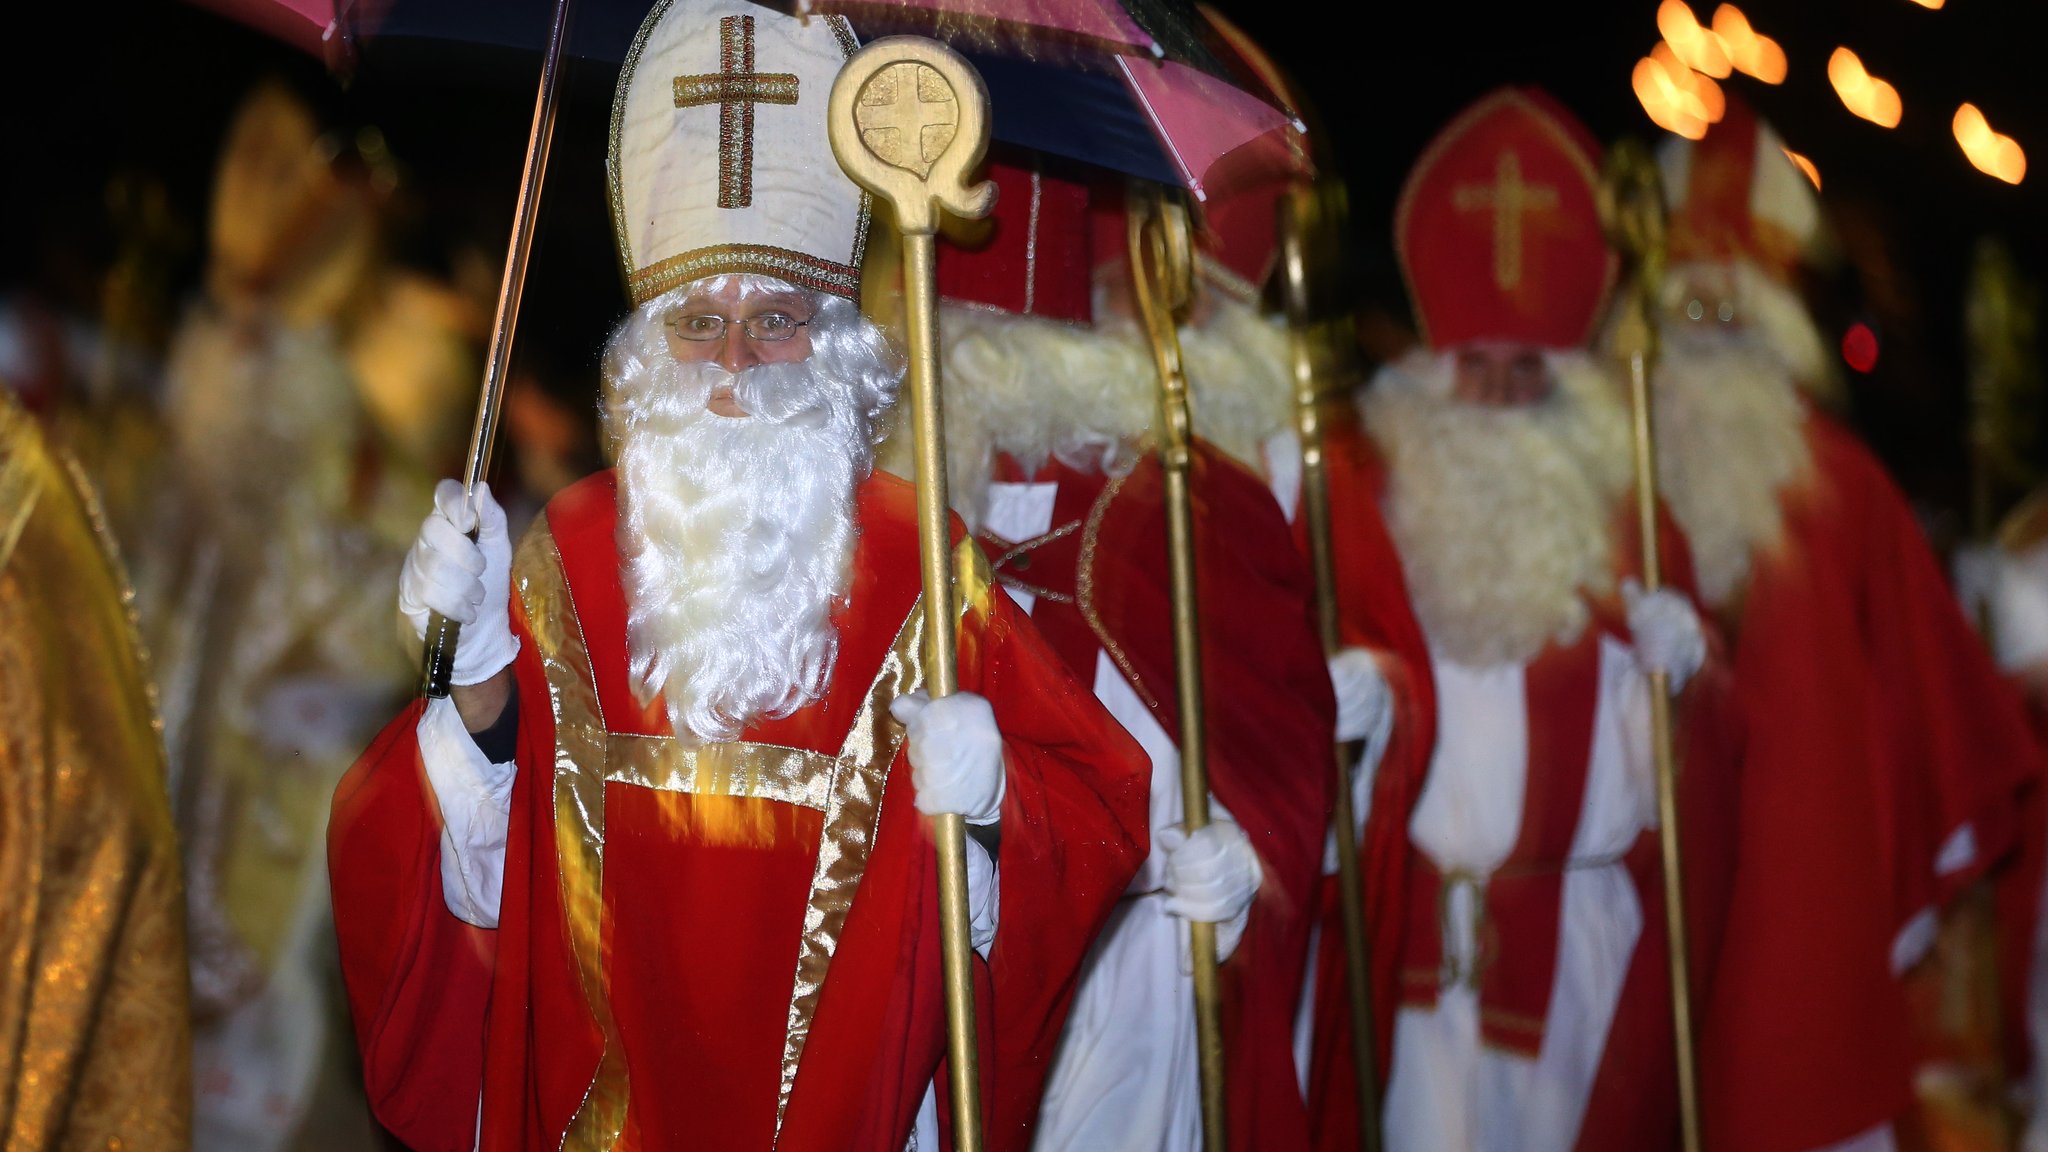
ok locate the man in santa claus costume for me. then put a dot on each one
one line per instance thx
(1052, 399)
(662, 847)
(1507, 791)
(1883, 755)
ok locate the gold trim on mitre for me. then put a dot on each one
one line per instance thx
(742, 183)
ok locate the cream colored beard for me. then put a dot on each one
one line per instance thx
(1503, 517)
(1037, 390)
(1731, 436)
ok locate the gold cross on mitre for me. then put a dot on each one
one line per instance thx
(736, 88)
(1509, 199)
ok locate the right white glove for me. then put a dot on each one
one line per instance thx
(956, 754)
(2019, 611)
(1365, 705)
(1668, 635)
(1212, 875)
(468, 581)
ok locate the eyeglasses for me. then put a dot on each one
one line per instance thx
(703, 327)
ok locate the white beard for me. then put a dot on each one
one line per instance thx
(1037, 390)
(1731, 437)
(1503, 516)
(736, 536)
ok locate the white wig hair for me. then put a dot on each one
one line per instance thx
(1038, 389)
(736, 535)
(1774, 318)
(1504, 516)
(1731, 430)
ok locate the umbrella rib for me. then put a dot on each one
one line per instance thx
(1188, 178)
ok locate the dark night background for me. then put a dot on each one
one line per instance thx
(90, 90)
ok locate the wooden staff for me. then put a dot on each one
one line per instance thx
(1632, 208)
(1305, 216)
(437, 662)
(1162, 277)
(909, 122)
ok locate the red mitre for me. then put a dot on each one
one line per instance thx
(1736, 195)
(1498, 228)
(1031, 256)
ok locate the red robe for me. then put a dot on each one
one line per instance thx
(1633, 1103)
(1877, 729)
(1101, 576)
(691, 943)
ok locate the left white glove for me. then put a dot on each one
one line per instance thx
(1365, 704)
(468, 581)
(956, 754)
(1212, 874)
(1668, 635)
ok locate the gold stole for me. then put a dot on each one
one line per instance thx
(846, 788)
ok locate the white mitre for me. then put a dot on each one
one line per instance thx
(720, 162)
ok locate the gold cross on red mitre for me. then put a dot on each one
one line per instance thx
(736, 88)
(1509, 199)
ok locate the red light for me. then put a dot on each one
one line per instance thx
(1859, 347)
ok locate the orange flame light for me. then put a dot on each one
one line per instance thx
(1698, 47)
(1751, 52)
(1992, 153)
(1677, 98)
(1928, 3)
(1861, 93)
(1805, 165)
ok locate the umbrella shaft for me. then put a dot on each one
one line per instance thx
(437, 662)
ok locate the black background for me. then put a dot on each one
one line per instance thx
(92, 89)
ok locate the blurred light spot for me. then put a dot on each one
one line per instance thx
(1805, 165)
(1697, 46)
(1706, 95)
(1992, 153)
(1861, 93)
(1859, 347)
(1929, 3)
(1676, 98)
(1751, 52)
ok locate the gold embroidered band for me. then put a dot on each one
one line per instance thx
(847, 788)
(783, 264)
(579, 818)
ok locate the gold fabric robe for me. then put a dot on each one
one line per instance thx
(95, 1040)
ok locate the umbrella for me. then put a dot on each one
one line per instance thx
(1127, 85)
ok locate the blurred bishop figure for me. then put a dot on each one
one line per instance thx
(1052, 407)
(1507, 792)
(655, 876)
(1883, 756)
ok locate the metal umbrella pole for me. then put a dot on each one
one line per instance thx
(909, 122)
(437, 662)
(1162, 274)
(1301, 213)
(1632, 209)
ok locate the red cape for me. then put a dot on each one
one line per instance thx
(1876, 729)
(1268, 714)
(700, 932)
(1634, 1100)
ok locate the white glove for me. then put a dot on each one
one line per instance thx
(956, 754)
(2019, 612)
(1365, 705)
(468, 581)
(1668, 636)
(1211, 876)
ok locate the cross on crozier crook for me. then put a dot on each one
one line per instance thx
(736, 88)
(1509, 199)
